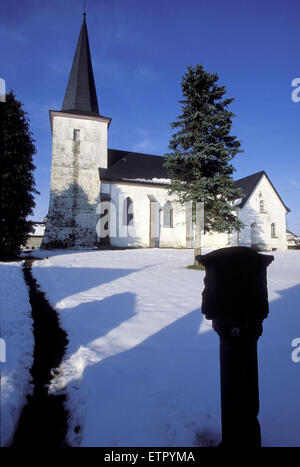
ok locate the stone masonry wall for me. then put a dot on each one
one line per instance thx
(75, 182)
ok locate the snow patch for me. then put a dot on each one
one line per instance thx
(142, 364)
(16, 330)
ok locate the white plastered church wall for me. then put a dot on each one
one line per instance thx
(274, 212)
(139, 233)
(215, 239)
(168, 237)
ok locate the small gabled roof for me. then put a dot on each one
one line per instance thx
(292, 233)
(81, 96)
(134, 167)
(248, 184)
(38, 229)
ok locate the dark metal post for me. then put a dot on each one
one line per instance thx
(235, 298)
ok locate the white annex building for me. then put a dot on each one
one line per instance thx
(102, 196)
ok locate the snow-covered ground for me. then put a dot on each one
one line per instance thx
(16, 332)
(142, 365)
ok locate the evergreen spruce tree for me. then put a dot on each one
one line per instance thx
(17, 181)
(202, 148)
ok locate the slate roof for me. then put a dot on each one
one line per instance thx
(248, 184)
(292, 233)
(81, 96)
(39, 229)
(134, 167)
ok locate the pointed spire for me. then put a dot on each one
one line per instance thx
(81, 96)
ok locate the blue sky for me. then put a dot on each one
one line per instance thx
(140, 50)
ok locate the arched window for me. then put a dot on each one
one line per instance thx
(168, 215)
(273, 230)
(253, 234)
(76, 134)
(262, 206)
(128, 211)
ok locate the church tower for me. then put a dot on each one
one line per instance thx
(79, 149)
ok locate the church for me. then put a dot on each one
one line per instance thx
(103, 197)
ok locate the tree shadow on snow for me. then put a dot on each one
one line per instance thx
(162, 392)
(165, 391)
(93, 320)
(78, 279)
(279, 376)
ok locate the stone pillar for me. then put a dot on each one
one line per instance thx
(235, 298)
